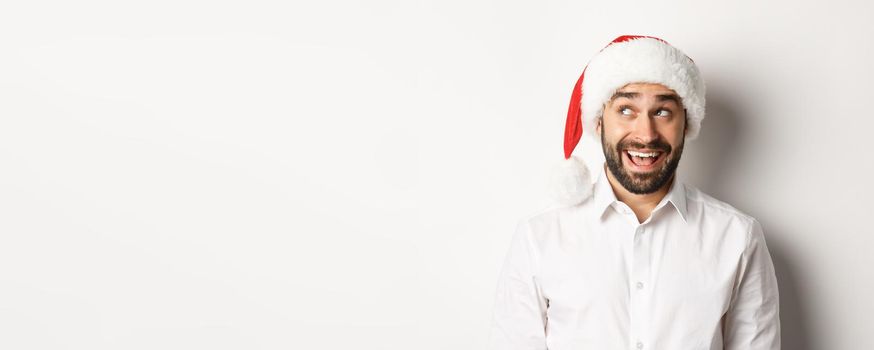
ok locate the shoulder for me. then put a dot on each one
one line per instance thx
(712, 206)
(717, 213)
(550, 223)
(554, 216)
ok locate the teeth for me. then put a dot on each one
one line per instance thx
(641, 154)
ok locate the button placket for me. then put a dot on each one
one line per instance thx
(640, 278)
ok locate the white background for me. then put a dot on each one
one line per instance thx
(348, 174)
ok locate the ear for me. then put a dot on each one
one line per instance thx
(598, 126)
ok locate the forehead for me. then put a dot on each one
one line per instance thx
(645, 87)
(646, 91)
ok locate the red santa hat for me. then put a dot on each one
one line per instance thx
(627, 59)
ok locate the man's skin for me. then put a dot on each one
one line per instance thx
(638, 119)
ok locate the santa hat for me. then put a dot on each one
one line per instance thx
(627, 59)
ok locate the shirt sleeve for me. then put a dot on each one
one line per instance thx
(753, 318)
(519, 318)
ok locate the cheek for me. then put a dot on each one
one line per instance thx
(614, 137)
(672, 136)
(673, 132)
(611, 127)
(676, 141)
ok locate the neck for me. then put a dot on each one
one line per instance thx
(641, 204)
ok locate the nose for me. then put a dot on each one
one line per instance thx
(644, 129)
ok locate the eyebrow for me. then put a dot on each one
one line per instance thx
(633, 95)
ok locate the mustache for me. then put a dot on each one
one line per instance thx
(657, 145)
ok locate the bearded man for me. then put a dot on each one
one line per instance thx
(638, 260)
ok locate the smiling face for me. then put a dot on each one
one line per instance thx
(642, 135)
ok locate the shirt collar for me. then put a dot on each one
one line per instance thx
(603, 193)
(604, 196)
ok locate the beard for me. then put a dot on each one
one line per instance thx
(641, 183)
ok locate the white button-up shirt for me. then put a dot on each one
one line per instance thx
(695, 275)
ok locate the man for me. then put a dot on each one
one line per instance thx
(639, 260)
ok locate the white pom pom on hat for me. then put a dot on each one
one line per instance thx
(625, 60)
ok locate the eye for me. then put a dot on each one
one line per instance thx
(663, 113)
(625, 110)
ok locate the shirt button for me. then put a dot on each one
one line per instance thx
(639, 286)
(639, 345)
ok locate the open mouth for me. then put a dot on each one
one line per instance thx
(644, 160)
